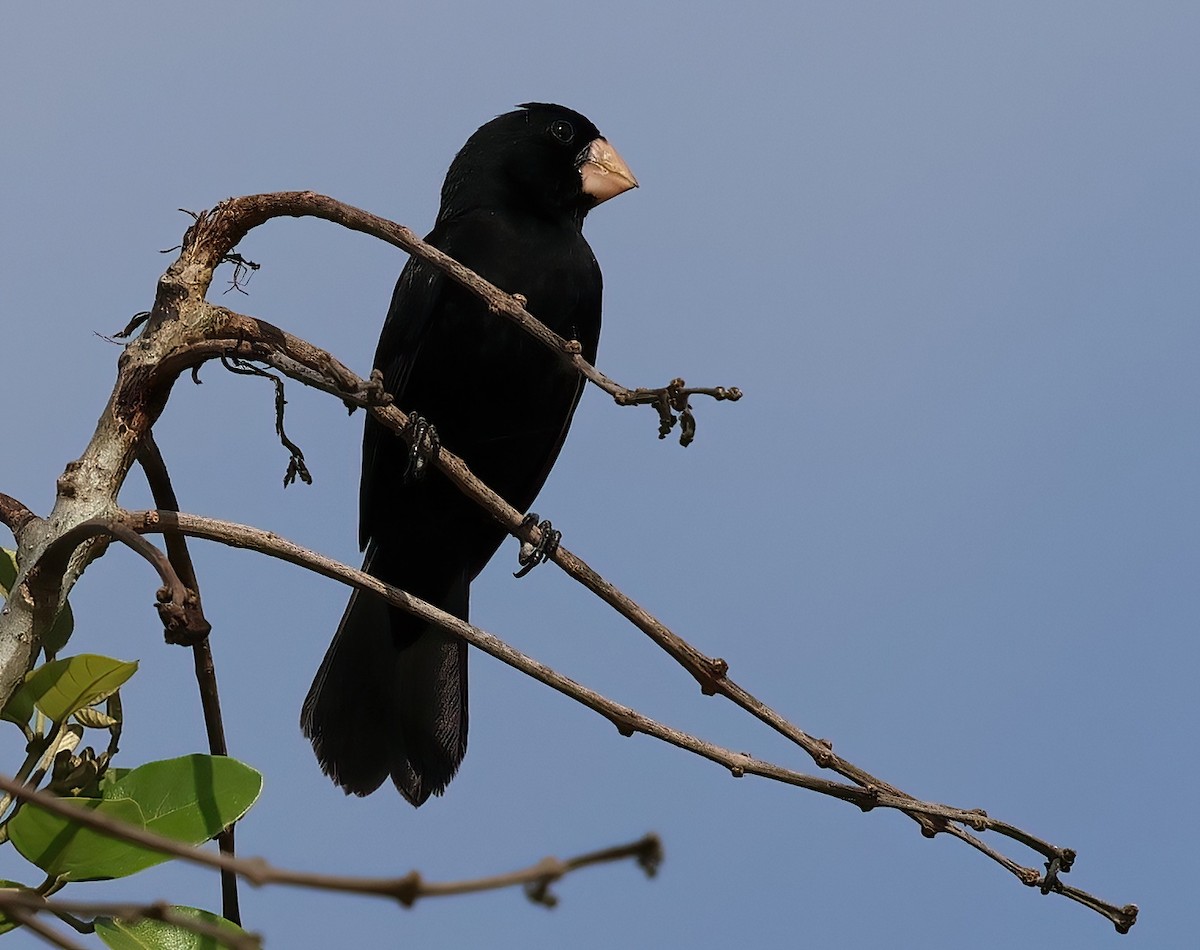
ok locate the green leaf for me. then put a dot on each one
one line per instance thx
(111, 776)
(62, 687)
(64, 623)
(62, 848)
(147, 934)
(60, 633)
(189, 799)
(19, 708)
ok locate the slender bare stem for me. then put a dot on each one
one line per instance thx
(944, 818)
(183, 330)
(155, 469)
(410, 888)
(29, 902)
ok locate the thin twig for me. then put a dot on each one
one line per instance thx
(296, 467)
(243, 270)
(407, 890)
(710, 673)
(251, 338)
(51, 936)
(623, 717)
(159, 479)
(865, 796)
(217, 231)
(175, 602)
(21, 899)
(194, 331)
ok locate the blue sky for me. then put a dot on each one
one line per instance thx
(948, 251)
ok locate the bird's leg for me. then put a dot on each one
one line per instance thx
(423, 446)
(531, 555)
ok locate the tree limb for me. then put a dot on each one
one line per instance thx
(14, 515)
(155, 469)
(30, 902)
(944, 818)
(407, 890)
(216, 232)
(183, 330)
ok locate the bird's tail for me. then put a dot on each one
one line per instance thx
(390, 698)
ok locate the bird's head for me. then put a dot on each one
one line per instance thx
(542, 159)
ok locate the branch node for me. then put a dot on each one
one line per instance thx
(671, 399)
(538, 890)
(344, 379)
(713, 670)
(1129, 914)
(184, 624)
(933, 825)
(65, 485)
(408, 888)
(374, 392)
(1051, 882)
(650, 855)
(625, 723)
(1028, 876)
(869, 798)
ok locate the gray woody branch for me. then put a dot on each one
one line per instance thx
(184, 330)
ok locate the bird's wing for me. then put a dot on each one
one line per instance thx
(414, 302)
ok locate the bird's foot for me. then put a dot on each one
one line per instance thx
(531, 555)
(424, 446)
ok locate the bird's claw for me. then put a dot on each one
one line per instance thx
(424, 446)
(531, 555)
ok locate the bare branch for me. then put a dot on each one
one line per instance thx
(155, 470)
(296, 466)
(30, 902)
(627, 720)
(866, 795)
(646, 852)
(14, 515)
(172, 340)
(183, 330)
(42, 929)
(255, 337)
(215, 233)
(673, 398)
(176, 604)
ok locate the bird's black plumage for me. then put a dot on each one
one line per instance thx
(390, 698)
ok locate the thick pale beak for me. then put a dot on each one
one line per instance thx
(605, 174)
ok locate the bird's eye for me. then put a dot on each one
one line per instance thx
(562, 130)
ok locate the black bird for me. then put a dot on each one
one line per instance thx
(390, 698)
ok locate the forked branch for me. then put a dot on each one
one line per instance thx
(183, 330)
